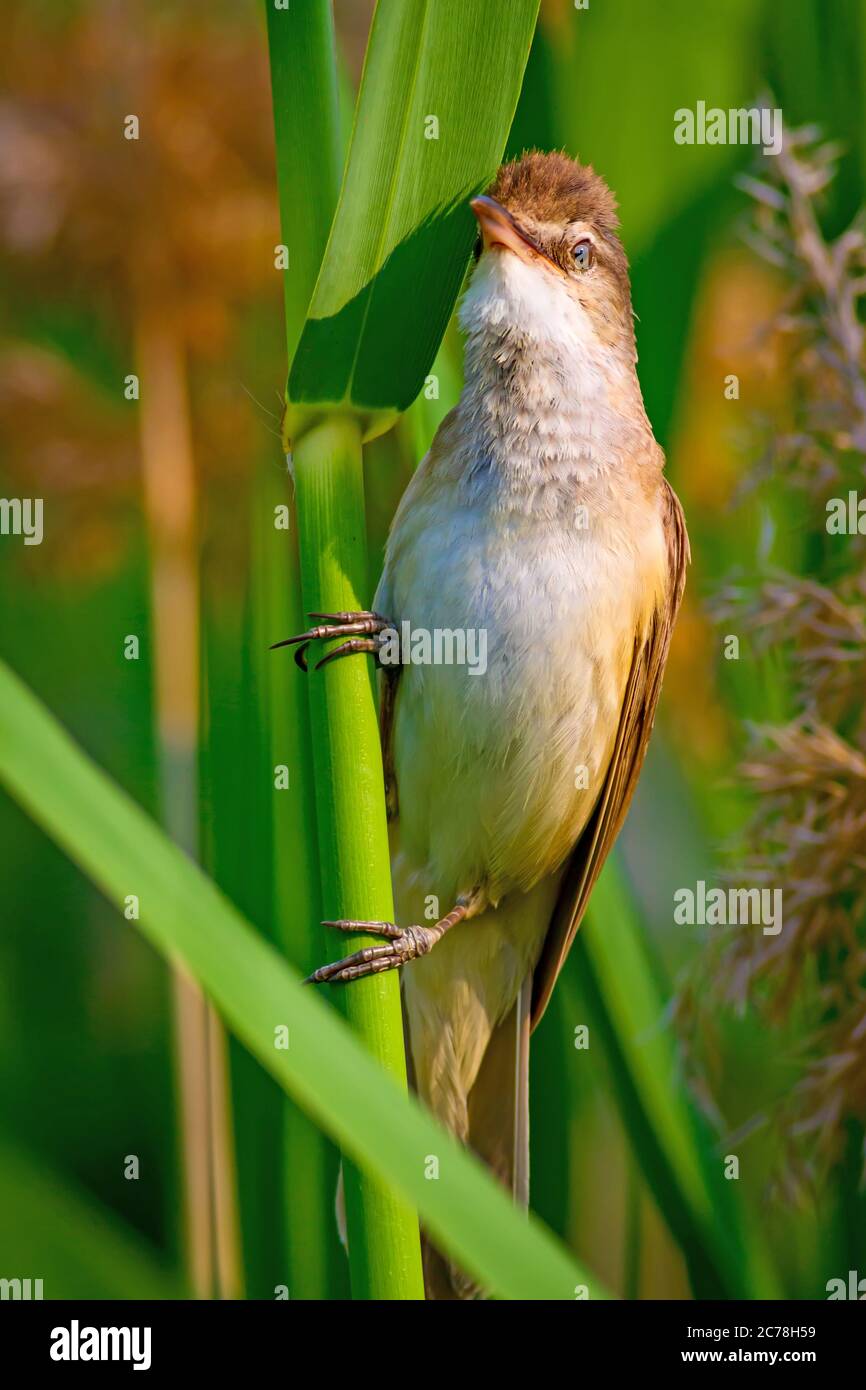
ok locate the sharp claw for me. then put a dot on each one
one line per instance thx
(358, 972)
(342, 618)
(405, 944)
(313, 634)
(333, 625)
(354, 644)
(361, 962)
(352, 924)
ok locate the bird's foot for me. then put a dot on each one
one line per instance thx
(402, 945)
(349, 626)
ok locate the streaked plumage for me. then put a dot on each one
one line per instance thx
(489, 534)
(542, 516)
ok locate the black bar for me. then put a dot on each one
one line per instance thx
(258, 1339)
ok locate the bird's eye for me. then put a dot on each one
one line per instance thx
(583, 254)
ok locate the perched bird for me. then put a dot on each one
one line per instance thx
(540, 518)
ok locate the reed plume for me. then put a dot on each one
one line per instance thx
(807, 771)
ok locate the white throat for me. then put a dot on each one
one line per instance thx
(544, 397)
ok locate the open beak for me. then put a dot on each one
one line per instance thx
(498, 228)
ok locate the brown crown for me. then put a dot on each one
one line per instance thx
(553, 188)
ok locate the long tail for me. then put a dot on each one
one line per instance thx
(497, 1114)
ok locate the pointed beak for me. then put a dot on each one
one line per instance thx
(498, 228)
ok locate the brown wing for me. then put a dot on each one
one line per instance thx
(635, 727)
(390, 675)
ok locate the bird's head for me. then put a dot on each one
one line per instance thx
(551, 267)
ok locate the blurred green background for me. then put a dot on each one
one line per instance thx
(122, 256)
